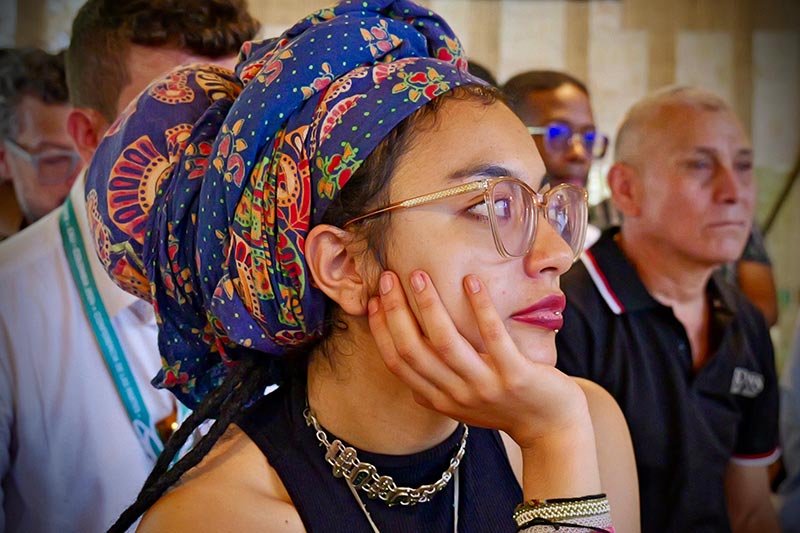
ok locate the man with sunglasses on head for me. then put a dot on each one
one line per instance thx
(36, 152)
(556, 108)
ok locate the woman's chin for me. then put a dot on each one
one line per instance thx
(539, 348)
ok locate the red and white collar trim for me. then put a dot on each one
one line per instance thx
(601, 283)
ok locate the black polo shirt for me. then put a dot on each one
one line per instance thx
(686, 426)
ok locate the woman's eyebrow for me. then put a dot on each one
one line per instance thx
(482, 170)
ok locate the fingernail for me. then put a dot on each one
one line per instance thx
(372, 306)
(386, 283)
(418, 281)
(473, 285)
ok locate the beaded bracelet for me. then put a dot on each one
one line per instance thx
(566, 515)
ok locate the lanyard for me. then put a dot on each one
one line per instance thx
(107, 339)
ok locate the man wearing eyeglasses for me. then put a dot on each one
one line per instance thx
(80, 423)
(556, 108)
(36, 152)
(648, 317)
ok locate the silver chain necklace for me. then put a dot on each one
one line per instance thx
(374, 527)
(364, 476)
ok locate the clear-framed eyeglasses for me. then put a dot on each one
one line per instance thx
(559, 135)
(53, 165)
(514, 211)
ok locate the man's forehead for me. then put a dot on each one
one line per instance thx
(696, 127)
(41, 123)
(567, 103)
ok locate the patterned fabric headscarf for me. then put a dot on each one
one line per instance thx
(202, 193)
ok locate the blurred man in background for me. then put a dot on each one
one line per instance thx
(36, 153)
(80, 424)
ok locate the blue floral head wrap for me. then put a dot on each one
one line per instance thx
(202, 193)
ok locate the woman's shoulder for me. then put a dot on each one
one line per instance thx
(232, 489)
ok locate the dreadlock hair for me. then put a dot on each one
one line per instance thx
(253, 372)
(244, 383)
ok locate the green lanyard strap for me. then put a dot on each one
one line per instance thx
(106, 337)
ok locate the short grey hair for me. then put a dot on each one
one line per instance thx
(643, 112)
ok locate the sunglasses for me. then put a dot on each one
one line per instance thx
(558, 137)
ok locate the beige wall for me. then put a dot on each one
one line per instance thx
(746, 50)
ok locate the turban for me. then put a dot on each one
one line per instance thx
(202, 193)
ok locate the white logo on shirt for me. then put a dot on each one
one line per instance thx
(746, 383)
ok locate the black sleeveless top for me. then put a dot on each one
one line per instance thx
(488, 488)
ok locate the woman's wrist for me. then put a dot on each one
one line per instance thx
(561, 464)
(566, 410)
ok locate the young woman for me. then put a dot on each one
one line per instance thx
(354, 216)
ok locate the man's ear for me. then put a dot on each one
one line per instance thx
(624, 182)
(86, 127)
(336, 263)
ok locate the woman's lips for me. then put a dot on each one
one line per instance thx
(547, 313)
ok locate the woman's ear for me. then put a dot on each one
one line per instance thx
(624, 182)
(336, 264)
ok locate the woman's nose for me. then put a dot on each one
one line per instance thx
(549, 253)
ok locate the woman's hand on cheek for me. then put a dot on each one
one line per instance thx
(499, 389)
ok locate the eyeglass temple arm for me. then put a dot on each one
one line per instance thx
(425, 198)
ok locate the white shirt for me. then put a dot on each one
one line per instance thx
(69, 457)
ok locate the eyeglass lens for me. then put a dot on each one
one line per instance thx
(568, 213)
(53, 165)
(558, 135)
(55, 168)
(515, 216)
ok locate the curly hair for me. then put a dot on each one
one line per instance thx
(103, 31)
(28, 72)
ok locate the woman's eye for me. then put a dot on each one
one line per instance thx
(502, 209)
(479, 211)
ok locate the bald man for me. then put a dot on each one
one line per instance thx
(685, 354)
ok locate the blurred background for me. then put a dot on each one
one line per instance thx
(747, 51)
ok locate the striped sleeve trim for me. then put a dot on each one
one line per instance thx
(760, 459)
